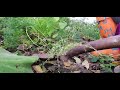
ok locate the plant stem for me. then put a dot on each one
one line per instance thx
(29, 37)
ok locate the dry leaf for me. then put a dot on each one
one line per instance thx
(78, 61)
(116, 62)
(85, 63)
(43, 69)
(37, 69)
(51, 62)
(76, 71)
(96, 71)
(67, 64)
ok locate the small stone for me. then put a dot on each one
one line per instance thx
(117, 69)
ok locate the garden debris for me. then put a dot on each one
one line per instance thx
(37, 69)
(86, 64)
(116, 62)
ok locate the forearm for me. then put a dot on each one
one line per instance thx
(106, 43)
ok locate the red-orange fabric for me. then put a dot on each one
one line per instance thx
(107, 28)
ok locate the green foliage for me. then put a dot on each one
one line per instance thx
(30, 30)
(47, 32)
(15, 29)
(85, 29)
(55, 35)
(72, 35)
(105, 62)
(94, 59)
(12, 63)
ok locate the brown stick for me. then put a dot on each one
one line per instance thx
(106, 43)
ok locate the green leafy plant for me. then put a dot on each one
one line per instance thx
(30, 30)
(12, 63)
(45, 31)
(105, 62)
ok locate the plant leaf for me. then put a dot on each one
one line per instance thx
(94, 59)
(55, 35)
(12, 63)
(62, 25)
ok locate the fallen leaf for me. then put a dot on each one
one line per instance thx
(67, 64)
(116, 62)
(51, 62)
(76, 71)
(85, 63)
(96, 71)
(37, 69)
(43, 69)
(73, 68)
(78, 61)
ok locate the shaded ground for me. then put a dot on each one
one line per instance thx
(79, 64)
(83, 63)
